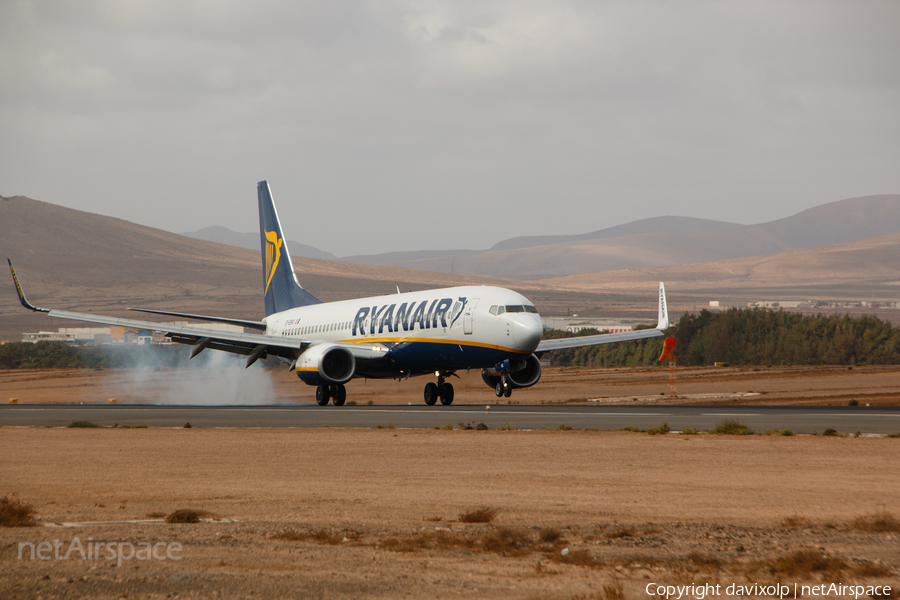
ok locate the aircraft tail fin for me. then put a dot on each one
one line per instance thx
(281, 288)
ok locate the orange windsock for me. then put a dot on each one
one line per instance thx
(668, 346)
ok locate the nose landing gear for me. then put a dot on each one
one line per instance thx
(503, 388)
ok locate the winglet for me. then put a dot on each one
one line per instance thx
(662, 322)
(22, 298)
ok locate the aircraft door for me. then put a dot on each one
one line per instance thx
(469, 316)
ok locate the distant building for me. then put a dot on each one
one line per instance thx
(839, 304)
(576, 324)
(49, 336)
(103, 336)
(781, 304)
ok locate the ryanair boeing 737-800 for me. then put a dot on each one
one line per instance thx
(436, 332)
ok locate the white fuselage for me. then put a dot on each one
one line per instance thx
(428, 331)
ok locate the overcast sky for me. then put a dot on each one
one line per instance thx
(388, 126)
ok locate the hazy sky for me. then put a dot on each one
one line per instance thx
(421, 125)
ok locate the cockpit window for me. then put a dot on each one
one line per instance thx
(513, 308)
(499, 310)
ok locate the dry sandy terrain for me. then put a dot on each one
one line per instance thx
(235, 385)
(631, 508)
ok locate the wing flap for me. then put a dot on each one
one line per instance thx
(239, 322)
(237, 343)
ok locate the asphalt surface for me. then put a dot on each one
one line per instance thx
(799, 419)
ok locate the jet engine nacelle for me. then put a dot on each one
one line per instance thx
(520, 374)
(325, 363)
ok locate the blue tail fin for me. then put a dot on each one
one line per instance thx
(282, 290)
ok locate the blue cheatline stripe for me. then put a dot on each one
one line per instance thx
(416, 357)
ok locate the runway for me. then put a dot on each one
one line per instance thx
(800, 419)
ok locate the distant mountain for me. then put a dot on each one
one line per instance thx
(833, 223)
(74, 260)
(666, 225)
(411, 260)
(662, 241)
(444, 261)
(223, 235)
(860, 269)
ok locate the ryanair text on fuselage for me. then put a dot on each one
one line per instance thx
(392, 318)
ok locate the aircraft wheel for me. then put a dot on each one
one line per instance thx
(338, 394)
(446, 394)
(322, 395)
(431, 393)
(507, 392)
(498, 389)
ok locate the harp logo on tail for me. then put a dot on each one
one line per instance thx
(273, 254)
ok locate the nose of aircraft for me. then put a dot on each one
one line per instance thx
(527, 331)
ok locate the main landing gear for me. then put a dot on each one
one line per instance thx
(441, 390)
(503, 388)
(336, 393)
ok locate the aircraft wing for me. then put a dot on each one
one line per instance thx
(608, 338)
(252, 345)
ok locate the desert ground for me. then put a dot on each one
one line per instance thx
(353, 513)
(376, 513)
